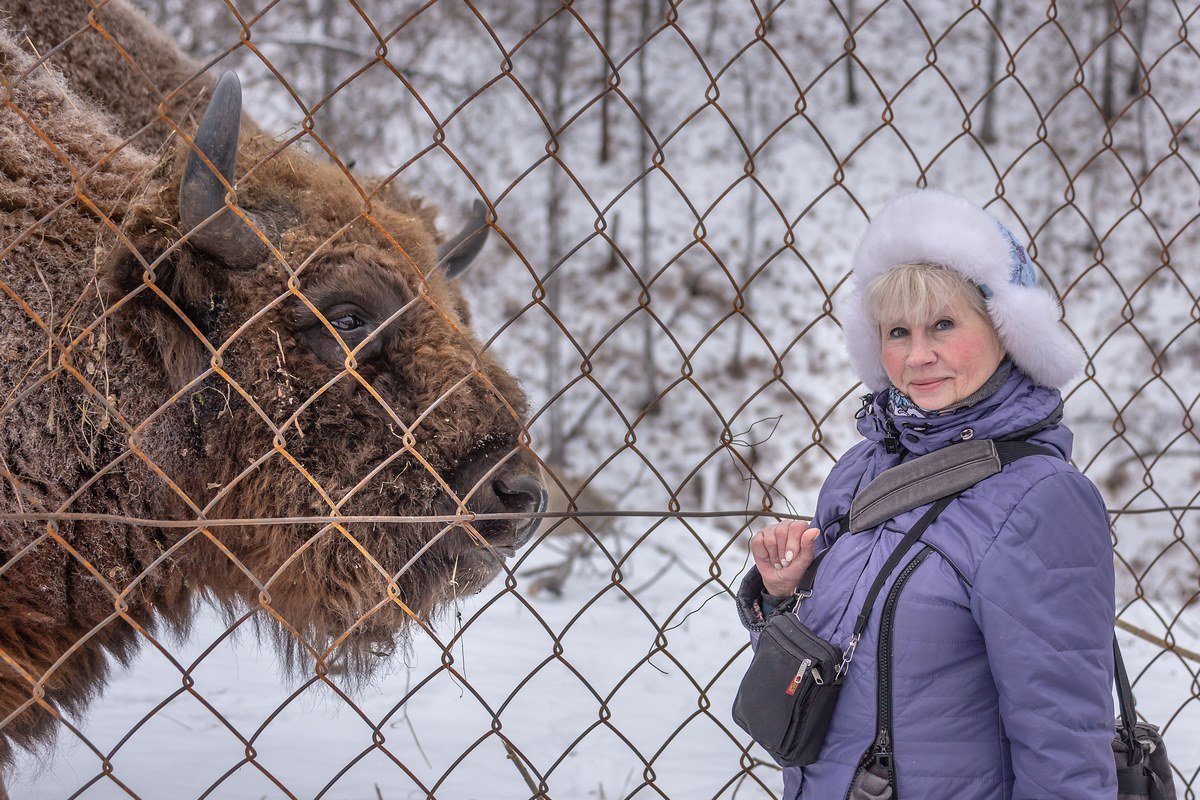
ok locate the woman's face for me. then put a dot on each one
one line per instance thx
(939, 361)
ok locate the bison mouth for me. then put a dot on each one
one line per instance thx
(505, 537)
(508, 492)
(502, 538)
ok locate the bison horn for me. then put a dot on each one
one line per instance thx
(202, 194)
(458, 253)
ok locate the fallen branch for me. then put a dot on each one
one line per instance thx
(1163, 643)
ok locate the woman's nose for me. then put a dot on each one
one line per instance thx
(920, 352)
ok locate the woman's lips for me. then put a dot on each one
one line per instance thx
(927, 384)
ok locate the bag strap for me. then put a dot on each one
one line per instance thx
(943, 472)
(1127, 706)
(1006, 452)
(1003, 452)
(910, 538)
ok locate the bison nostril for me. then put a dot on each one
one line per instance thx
(521, 495)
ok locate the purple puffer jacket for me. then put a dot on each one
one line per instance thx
(1002, 667)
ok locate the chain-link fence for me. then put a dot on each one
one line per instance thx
(272, 452)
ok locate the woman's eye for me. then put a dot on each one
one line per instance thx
(896, 333)
(943, 324)
(347, 323)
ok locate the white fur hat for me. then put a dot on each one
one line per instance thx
(932, 226)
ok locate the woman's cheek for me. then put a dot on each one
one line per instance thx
(895, 353)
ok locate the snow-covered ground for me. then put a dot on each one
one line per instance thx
(590, 718)
(589, 695)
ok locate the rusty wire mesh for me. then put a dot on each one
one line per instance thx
(673, 191)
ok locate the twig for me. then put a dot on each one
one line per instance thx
(1163, 643)
(577, 427)
(672, 560)
(408, 721)
(555, 575)
(743, 440)
(279, 342)
(512, 756)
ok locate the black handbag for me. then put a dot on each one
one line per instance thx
(787, 696)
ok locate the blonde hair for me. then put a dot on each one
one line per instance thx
(919, 291)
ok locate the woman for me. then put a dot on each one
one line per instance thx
(1002, 651)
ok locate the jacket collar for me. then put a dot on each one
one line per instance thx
(1017, 405)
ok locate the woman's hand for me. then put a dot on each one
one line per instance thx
(782, 553)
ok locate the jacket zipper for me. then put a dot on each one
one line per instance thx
(880, 751)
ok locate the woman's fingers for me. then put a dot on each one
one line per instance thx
(758, 549)
(762, 548)
(794, 534)
(771, 540)
(778, 545)
(783, 552)
(808, 544)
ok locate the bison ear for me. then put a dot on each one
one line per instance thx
(165, 331)
(457, 253)
(208, 176)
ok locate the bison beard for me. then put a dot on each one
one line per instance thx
(151, 379)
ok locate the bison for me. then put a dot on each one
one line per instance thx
(234, 372)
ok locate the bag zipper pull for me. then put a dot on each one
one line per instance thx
(796, 681)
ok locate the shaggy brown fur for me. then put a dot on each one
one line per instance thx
(115, 57)
(110, 404)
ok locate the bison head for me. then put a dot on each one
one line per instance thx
(311, 366)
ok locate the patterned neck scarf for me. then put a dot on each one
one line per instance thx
(900, 405)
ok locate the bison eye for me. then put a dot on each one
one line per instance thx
(347, 323)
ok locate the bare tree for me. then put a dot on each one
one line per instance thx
(649, 390)
(987, 131)
(1108, 77)
(851, 91)
(606, 98)
(326, 14)
(552, 76)
(1139, 19)
(749, 135)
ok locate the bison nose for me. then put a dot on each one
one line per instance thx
(523, 494)
(520, 495)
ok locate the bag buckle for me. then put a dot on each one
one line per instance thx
(849, 654)
(801, 595)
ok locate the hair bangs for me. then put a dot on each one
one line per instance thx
(918, 292)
